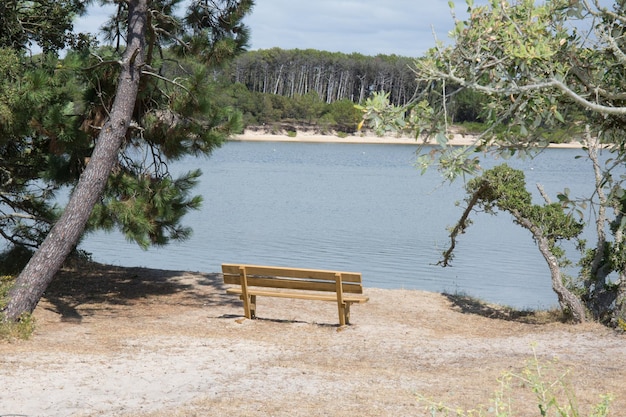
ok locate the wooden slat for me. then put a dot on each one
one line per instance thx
(302, 296)
(292, 272)
(299, 284)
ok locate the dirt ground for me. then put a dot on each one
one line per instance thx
(142, 342)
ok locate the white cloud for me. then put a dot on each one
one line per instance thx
(402, 27)
(94, 19)
(370, 27)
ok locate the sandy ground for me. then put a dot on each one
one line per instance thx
(139, 342)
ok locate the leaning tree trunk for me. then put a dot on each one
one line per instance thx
(47, 260)
(567, 300)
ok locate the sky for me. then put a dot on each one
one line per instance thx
(369, 27)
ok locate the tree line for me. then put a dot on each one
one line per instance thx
(321, 88)
(332, 76)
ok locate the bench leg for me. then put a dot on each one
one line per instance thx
(252, 306)
(342, 313)
(249, 306)
(347, 313)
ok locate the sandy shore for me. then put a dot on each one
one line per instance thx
(144, 342)
(364, 138)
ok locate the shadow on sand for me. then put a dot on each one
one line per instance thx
(470, 305)
(91, 284)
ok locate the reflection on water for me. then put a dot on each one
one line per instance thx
(358, 208)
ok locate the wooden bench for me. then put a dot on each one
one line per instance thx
(305, 284)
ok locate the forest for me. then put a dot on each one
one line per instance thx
(319, 89)
(332, 76)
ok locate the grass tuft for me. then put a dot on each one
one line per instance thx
(545, 381)
(21, 329)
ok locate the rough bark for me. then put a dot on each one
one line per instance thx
(47, 260)
(567, 300)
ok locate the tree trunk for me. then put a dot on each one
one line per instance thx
(567, 300)
(47, 260)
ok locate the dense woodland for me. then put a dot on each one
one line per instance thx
(320, 89)
(332, 76)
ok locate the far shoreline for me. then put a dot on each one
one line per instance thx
(365, 138)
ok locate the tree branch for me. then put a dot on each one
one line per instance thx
(160, 77)
(20, 216)
(461, 226)
(550, 83)
(543, 193)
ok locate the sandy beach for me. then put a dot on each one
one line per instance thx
(310, 136)
(457, 139)
(116, 341)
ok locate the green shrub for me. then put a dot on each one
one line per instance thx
(13, 260)
(470, 128)
(24, 327)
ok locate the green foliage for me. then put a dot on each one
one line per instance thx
(41, 146)
(332, 75)
(23, 328)
(344, 115)
(466, 106)
(504, 188)
(547, 381)
(307, 107)
(9, 70)
(146, 210)
(516, 41)
(419, 118)
(48, 23)
(381, 116)
(214, 34)
(472, 128)
(62, 110)
(51, 112)
(314, 87)
(13, 259)
(5, 283)
(262, 108)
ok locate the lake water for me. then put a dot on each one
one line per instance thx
(355, 207)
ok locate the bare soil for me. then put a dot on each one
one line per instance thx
(141, 342)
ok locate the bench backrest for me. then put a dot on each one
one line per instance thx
(293, 278)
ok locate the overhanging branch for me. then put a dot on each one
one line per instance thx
(550, 83)
(461, 226)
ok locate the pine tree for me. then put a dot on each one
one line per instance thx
(133, 118)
